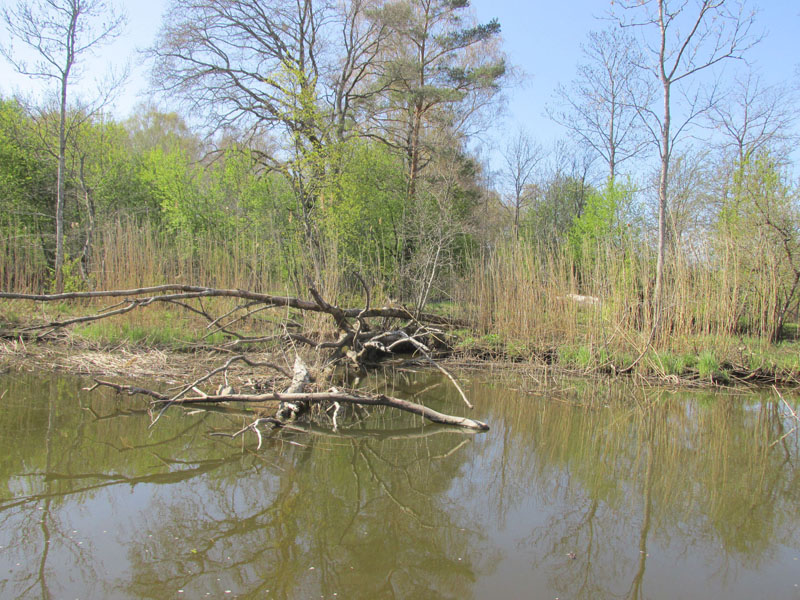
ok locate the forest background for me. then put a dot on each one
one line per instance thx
(282, 142)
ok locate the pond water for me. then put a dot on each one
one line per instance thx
(595, 491)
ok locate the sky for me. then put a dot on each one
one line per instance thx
(542, 38)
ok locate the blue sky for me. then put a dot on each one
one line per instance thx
(544, 39)
(541, 37)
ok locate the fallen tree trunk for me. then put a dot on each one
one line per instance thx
(147, 295)
(358, 342)
(332, 395)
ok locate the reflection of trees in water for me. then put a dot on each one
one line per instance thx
(699, 477)
(34, 525)
(369, 515)
(56, 458)
(368, 509)
(387, 508)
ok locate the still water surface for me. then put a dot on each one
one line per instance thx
(597, 491)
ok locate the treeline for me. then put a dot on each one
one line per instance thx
(150, 182)
(323, 141)
(304, 155)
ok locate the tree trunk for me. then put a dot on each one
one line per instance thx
(60, 187)
(87, 244)
(413, 151)
(69, 59)
(658, 293)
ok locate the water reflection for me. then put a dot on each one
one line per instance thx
(590, 493)
(697, 484)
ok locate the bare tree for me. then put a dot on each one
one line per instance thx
(754, 117)
(353, 77)
(598, 108)
(59, 33)
(693, 203)
(681, 39)
(522, 156)
(269, 68)
(296, 66)
(250, 65)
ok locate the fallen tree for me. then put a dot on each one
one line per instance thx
(358, 338)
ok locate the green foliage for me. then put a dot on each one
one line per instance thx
(760, 222)
(23, 173)
(603, 220)
(707, 364)
(364, 212)
(173, 185)
(72, 280)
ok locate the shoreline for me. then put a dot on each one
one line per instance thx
(170, 366)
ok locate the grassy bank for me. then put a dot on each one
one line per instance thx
(695, 359)
(721, 361)
(589, 309)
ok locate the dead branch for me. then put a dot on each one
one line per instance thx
(331, 395)
(222, 369)
(368, 344)
(183, 292)
(426, 353)
(792, 413)
(131, 390)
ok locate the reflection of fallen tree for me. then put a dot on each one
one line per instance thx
(361, 337)
(403, 433)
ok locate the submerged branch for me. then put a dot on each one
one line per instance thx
(332, 395)
(364, 344)
(794, 415)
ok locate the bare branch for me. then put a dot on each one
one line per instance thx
(332, 395)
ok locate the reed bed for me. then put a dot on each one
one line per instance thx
(588, 306)
(597, 300)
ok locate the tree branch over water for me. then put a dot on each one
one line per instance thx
(353, 342)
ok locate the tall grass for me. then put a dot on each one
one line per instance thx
(23, 266)
(527, 291)
(523, 293)
(129, 254)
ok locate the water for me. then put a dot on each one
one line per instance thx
(597, 491)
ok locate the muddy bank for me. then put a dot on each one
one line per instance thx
(168, 366)
(91, 360)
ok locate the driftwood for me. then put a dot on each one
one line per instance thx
(357, 341)
(294, 402)
(331, 395)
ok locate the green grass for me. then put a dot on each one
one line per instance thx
(10, 315)
(518, 350)
(444, 308)
(675, 364)
(711, 368)
(491, 342)
(116, 332)
(576, 356)
(707, 364)
(171, 333)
